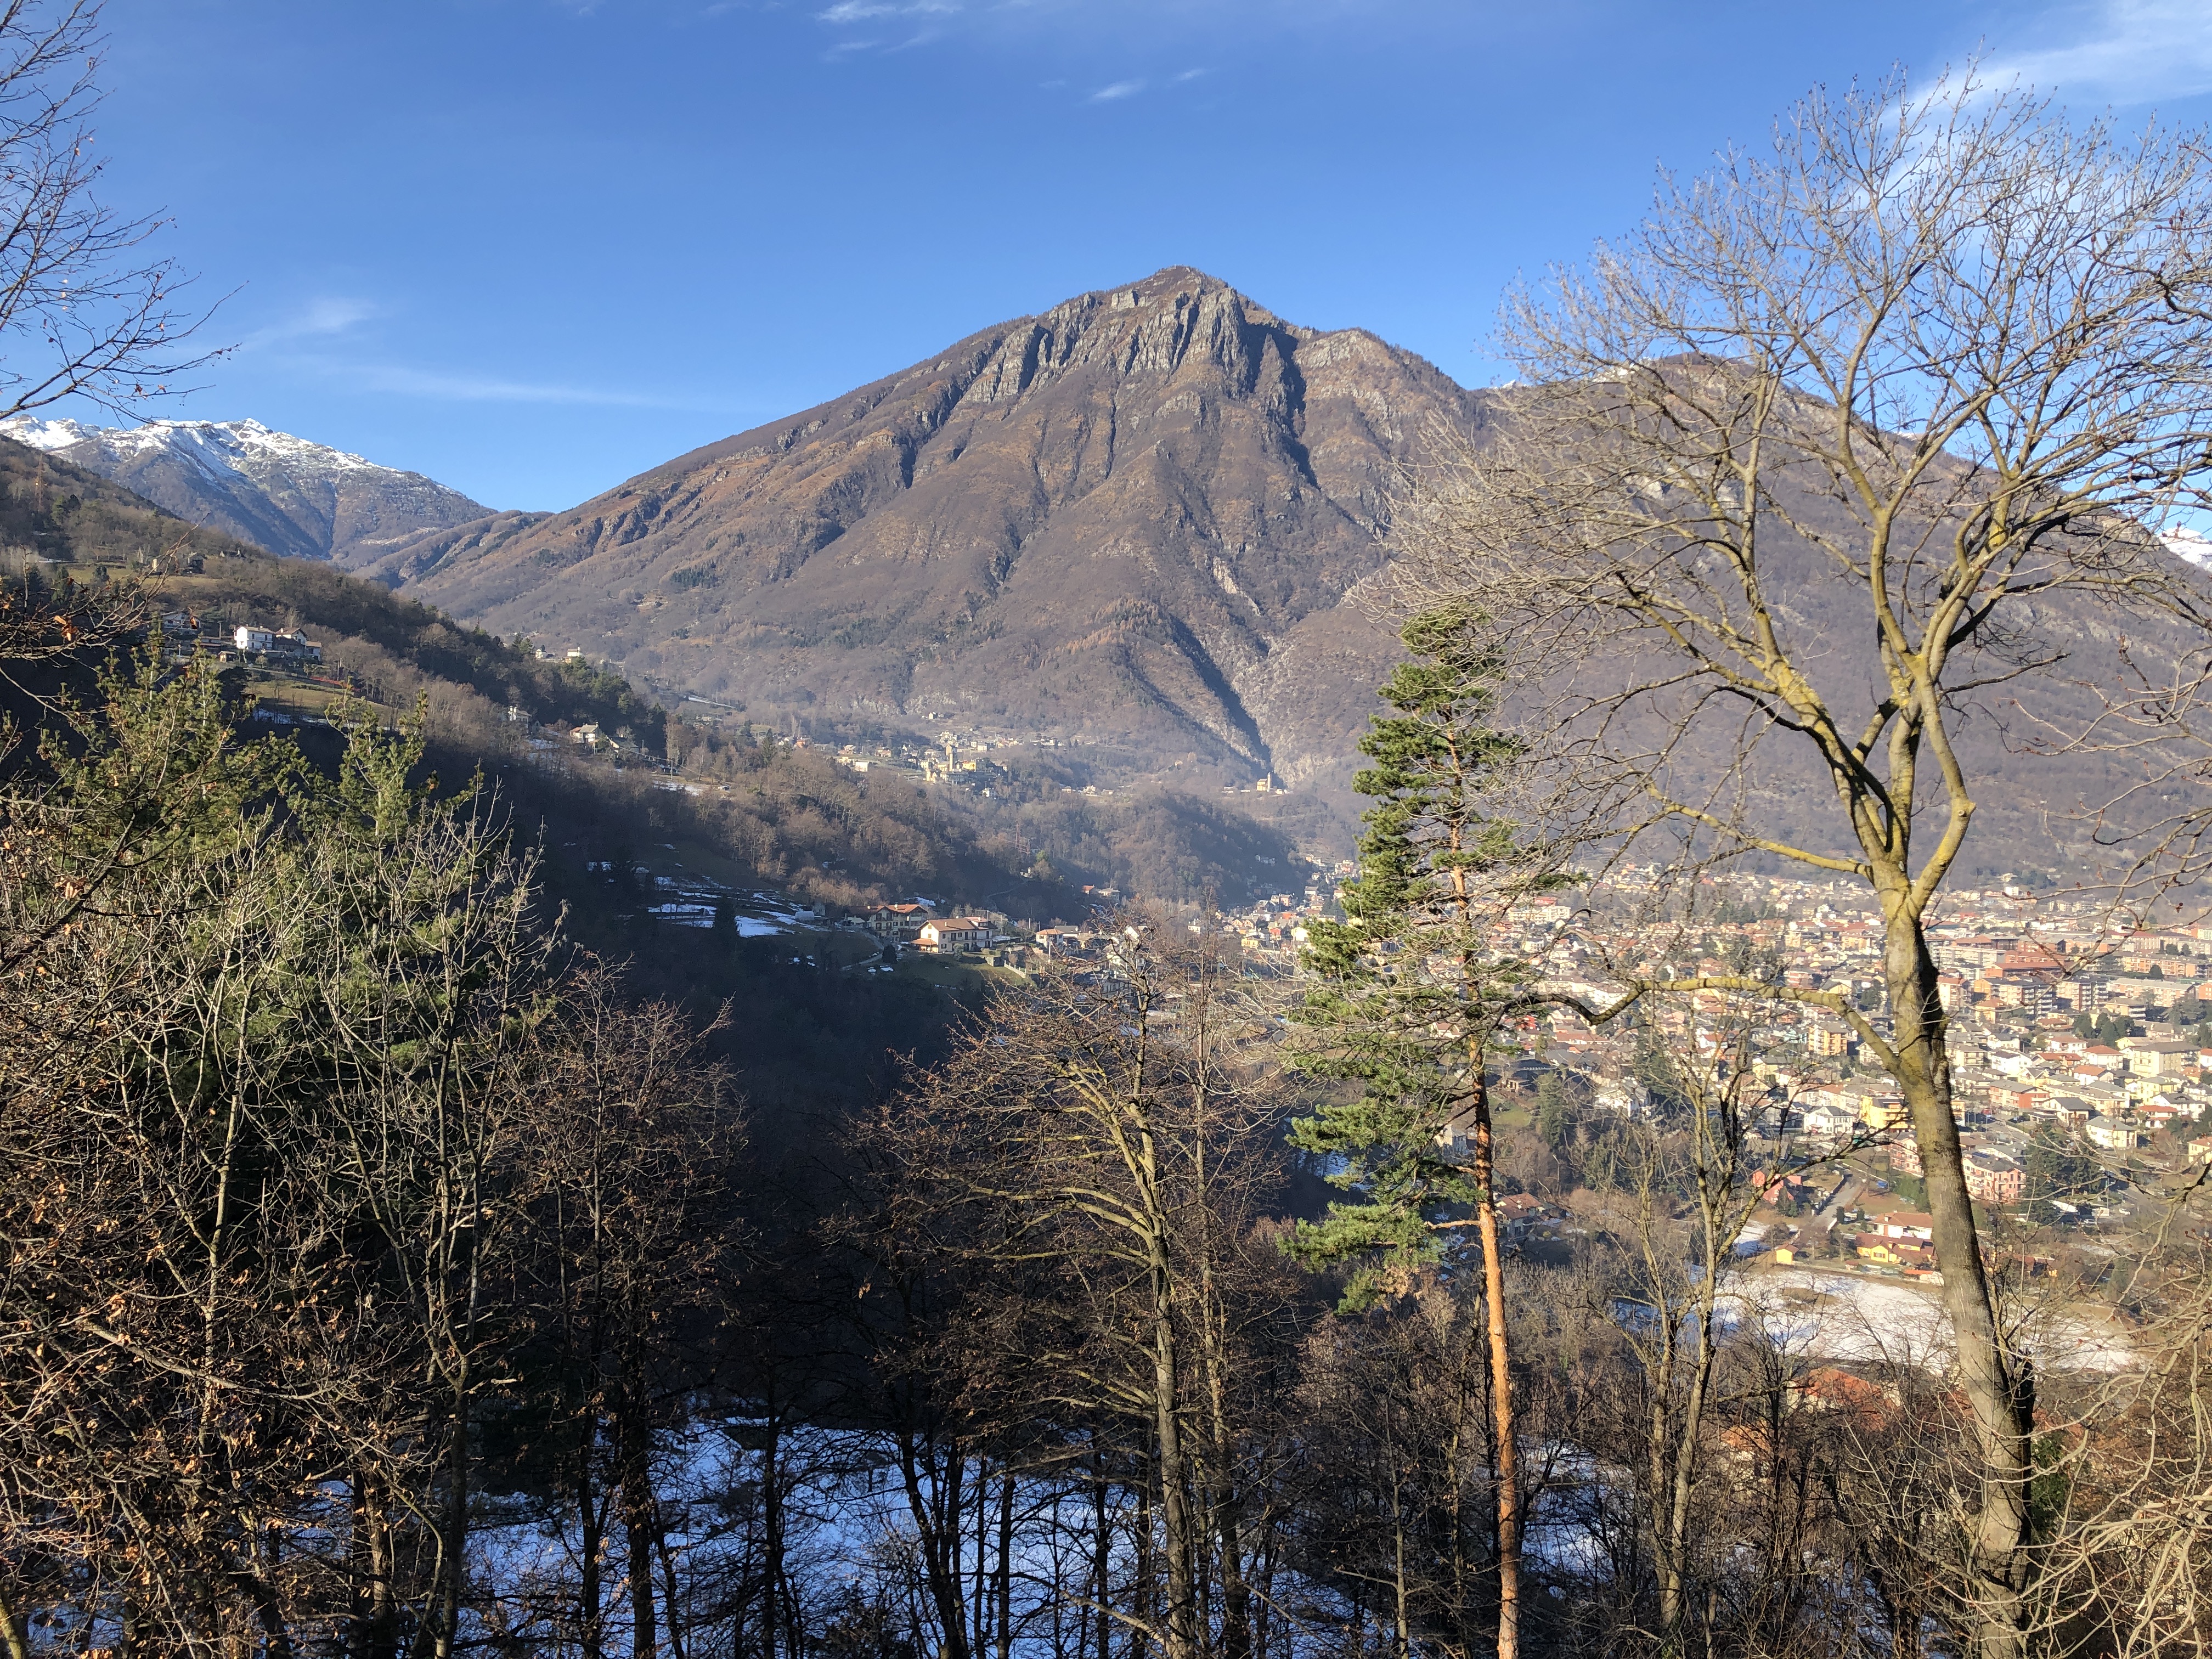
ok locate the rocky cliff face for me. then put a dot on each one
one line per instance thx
(1136, 516)
(301, 499)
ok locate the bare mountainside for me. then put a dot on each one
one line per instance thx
(1150, 517)
(303, 499)
(1134, 517)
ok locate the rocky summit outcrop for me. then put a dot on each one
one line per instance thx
(1136, 516)
(239, 477)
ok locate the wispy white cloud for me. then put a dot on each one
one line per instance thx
(1119, 90)
(493, 389)
(319, 317)
(327, 319)
(461, 387)
(1127, 31)
(2122, 52)
(862, 11)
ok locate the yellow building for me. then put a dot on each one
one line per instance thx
(1880, 1112)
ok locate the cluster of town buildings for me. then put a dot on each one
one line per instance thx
(2060, 1030)
(919, 925)
(1272, 930)
(963, 757)
(184, 633)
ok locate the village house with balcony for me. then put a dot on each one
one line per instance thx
(947, 935)
(902, 923)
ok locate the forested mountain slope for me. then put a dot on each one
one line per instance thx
(52, 508)
(768, 811)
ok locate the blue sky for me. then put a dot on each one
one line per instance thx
(532, 247)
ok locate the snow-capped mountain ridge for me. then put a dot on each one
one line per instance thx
(290, 494)
(223, 443)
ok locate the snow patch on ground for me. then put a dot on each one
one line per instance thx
(1857, 1316)
(693, 913)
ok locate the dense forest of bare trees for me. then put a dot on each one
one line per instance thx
(386, 1277)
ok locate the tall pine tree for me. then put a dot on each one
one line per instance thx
(1410, 995)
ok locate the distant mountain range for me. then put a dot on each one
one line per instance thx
(1150, 517)
(281, 493)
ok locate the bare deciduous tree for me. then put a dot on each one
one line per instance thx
(1108, 1131)
(624, 1152)
(1805, 460)
(85, 310)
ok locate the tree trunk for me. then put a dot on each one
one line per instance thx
(1181, 1623)
(936, 1513)
(455, 1543)
(1662, 1386)
(668, 1589)
(1455, 1451)
(363, 1567)
(383, 1590)
(1236, 1592)
(1143, 1593)
(1102, 1550)
(591, 1637)
(2000, 1540)
(1401, 1622)
(979, 1640)
(13, 1630)
(639, 1506)
(1501, 1372)
(1685, 1459)
(1006, 1564)
(772, 1540)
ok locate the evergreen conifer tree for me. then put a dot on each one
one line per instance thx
(1410, 994)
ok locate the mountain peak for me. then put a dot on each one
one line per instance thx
(224, 443)
(289, 494)
(1138, 512)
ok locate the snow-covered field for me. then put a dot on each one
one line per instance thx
(692, 902)
(1857, 1316)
